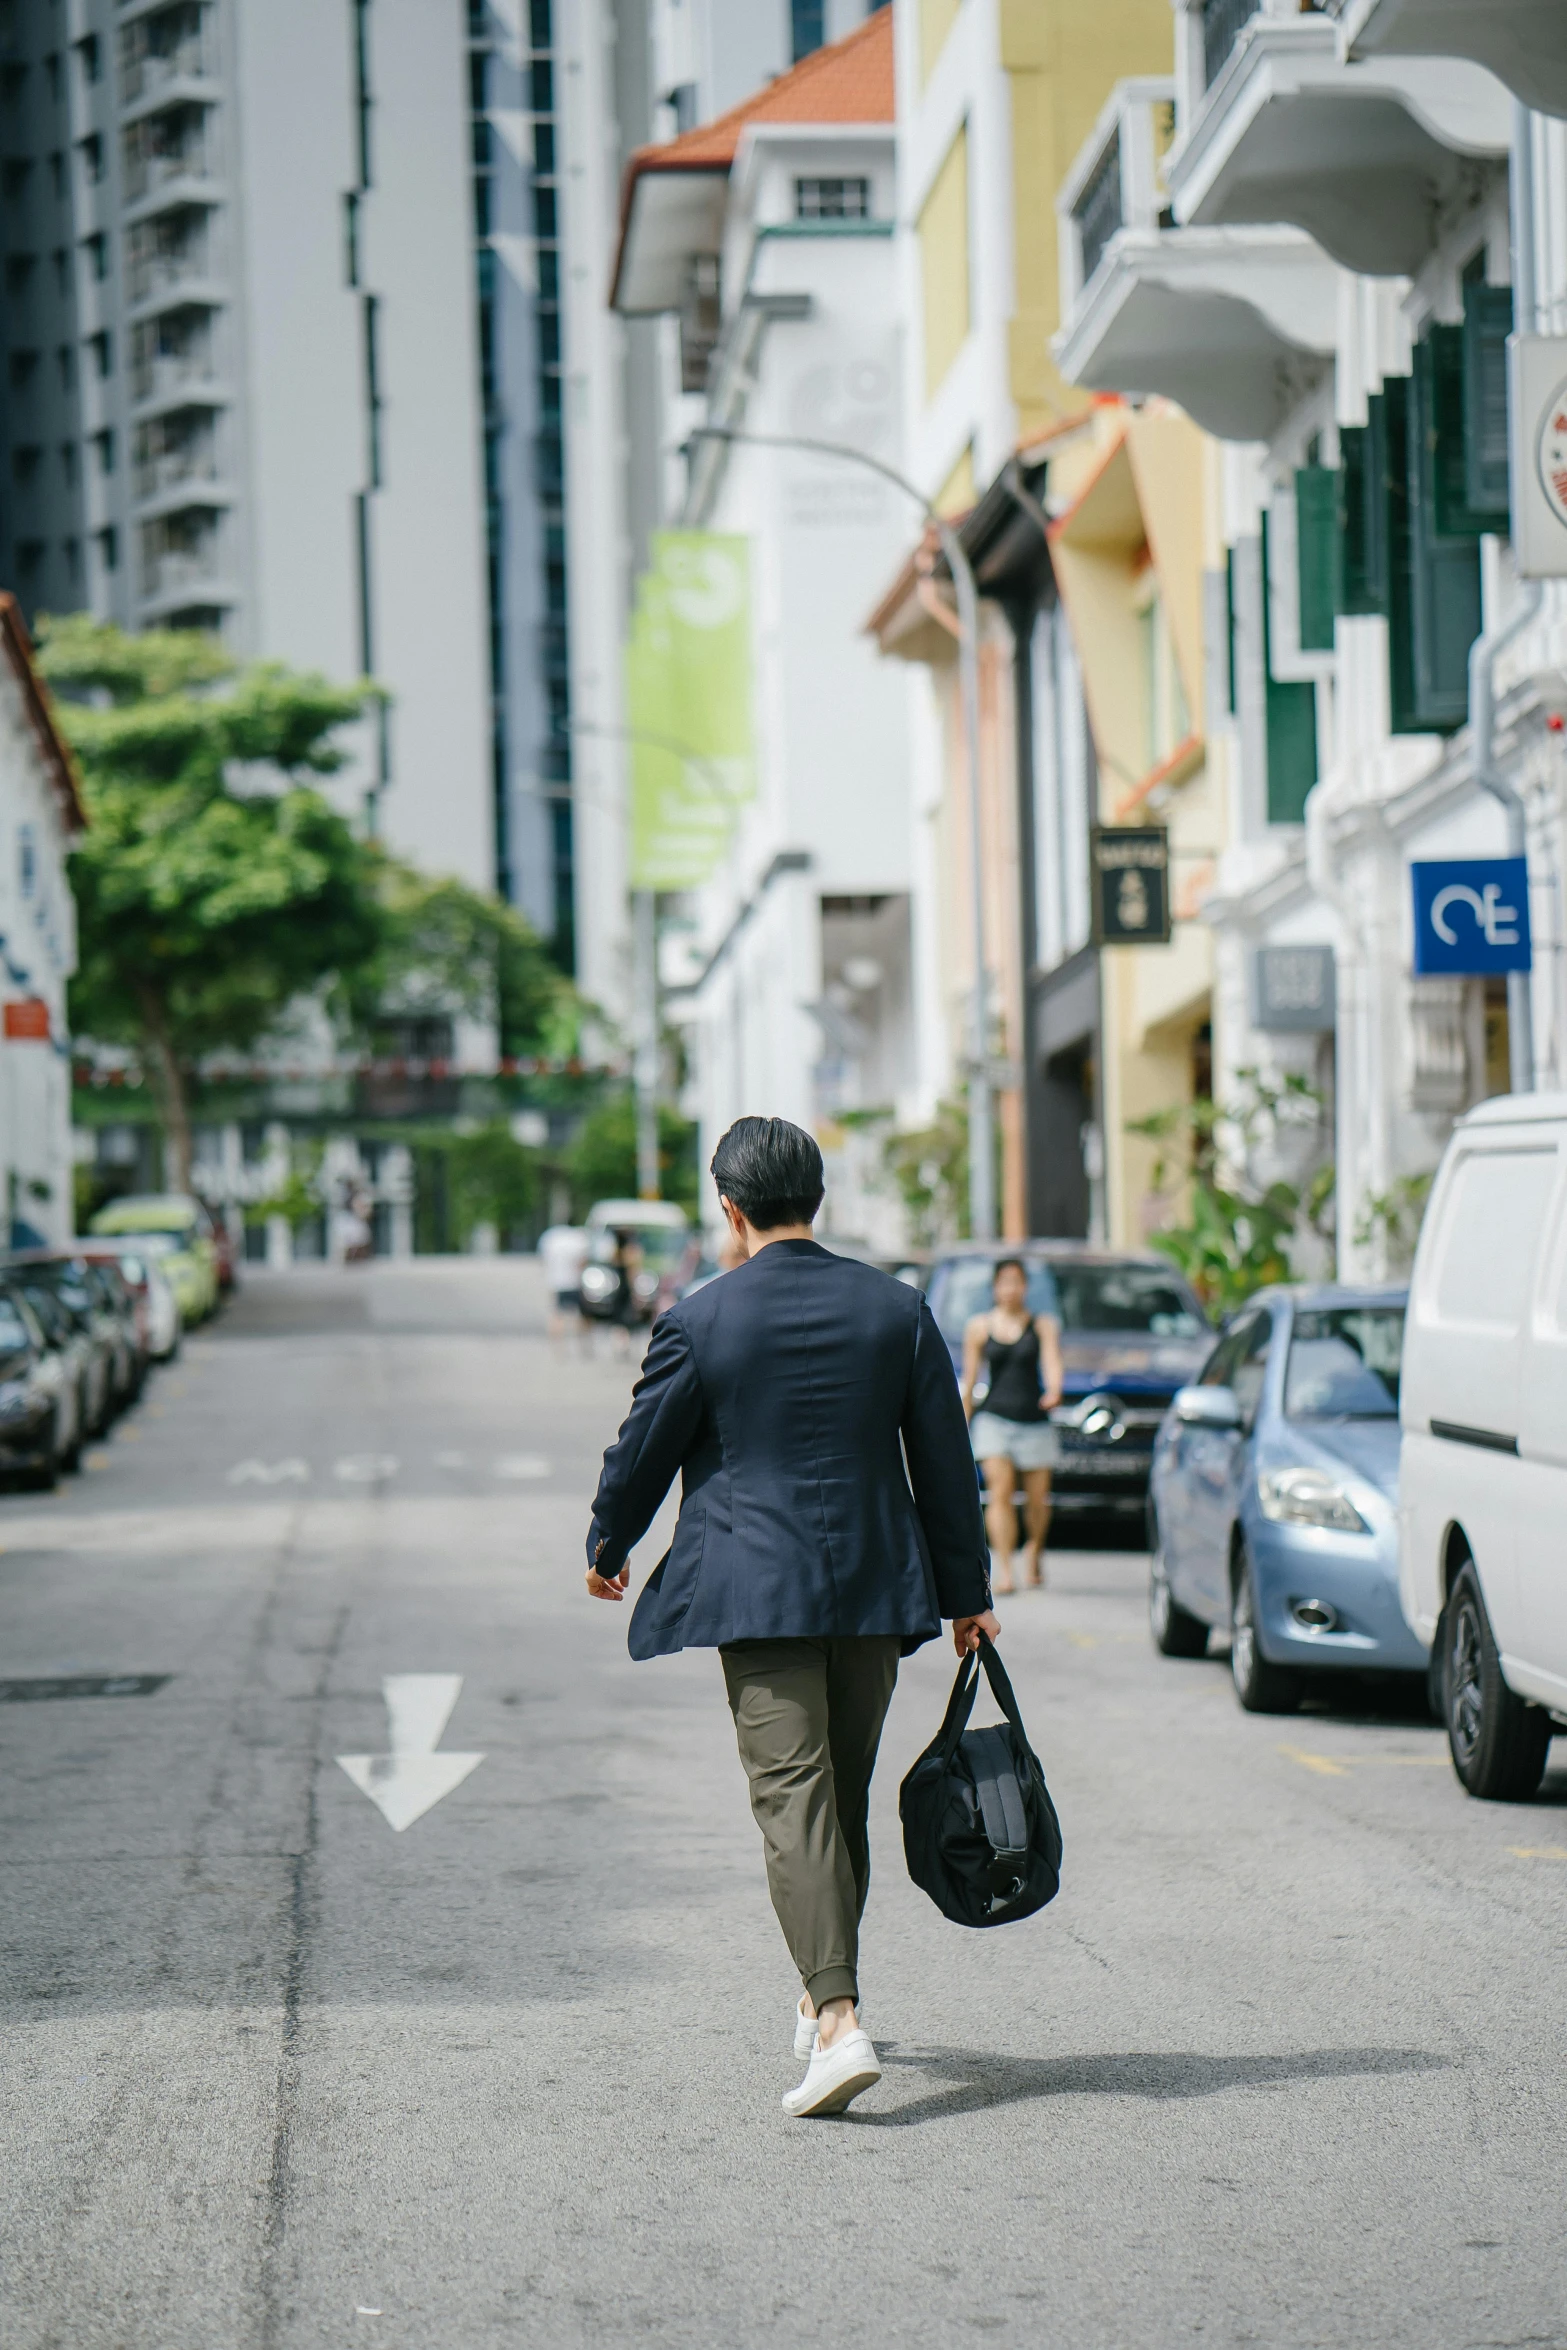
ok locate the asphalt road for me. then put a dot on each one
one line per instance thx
(1283, 2065)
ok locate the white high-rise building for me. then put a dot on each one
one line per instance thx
(241, 374)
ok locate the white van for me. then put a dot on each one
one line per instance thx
(1483, 1477)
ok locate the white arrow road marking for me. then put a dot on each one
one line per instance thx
(363, 1468)
(521, 1464)
(405, 1783)
(269, 1472)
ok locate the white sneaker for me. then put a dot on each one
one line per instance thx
(835, 2076)
(806, 2028)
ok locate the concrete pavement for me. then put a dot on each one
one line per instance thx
(1283, 2065)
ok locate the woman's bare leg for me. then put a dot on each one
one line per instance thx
(1000, 1520)
(1036, 1517)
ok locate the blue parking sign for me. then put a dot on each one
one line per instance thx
(1471, 915)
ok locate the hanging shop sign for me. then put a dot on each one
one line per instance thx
(1293, 991)
(1130, 870)
(1537, 366)
(1471, 916)
(27, 1020)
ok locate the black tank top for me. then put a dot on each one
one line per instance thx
(1014, 1377)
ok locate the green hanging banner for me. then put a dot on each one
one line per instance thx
(688, 706)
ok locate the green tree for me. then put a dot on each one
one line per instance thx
(1236, 1235)
(601, 1162)
(444, 945)
(215, 885)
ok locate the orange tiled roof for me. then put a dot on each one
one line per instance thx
(851, 81)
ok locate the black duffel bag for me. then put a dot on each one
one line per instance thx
(980, 1832)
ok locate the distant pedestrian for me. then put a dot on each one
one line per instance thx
(563, 1251)
(788, 1397)
(1011, 1382)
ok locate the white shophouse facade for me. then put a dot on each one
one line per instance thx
(1336, 270)
(40, 815)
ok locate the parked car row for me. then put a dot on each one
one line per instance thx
(192, 1247)
(81, 1326)
(1376, 1480)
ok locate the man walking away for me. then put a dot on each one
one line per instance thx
(788, 1398)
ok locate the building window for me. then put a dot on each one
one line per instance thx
(29, 557)
(68, 463)
(108, 547)
(102, 351)
(807, 26)
(65, 359)
(351, 237)
(73, 558)
(25, 461)
(14, 175)
(91, 151)
(92, 64)
(62, 270)
(57, 173)
(22, 367)
(26, 860)
(96, 250)
(103, 442)
(832, 199)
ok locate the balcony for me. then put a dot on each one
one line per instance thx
(180, 579)
(161, 168)
(187, 66)
(1234, 324)
(178, 477)
(164, 278)
(1523, 42)
(1365, 158)
(176, 379)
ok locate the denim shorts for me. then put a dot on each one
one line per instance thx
(1026, 1444)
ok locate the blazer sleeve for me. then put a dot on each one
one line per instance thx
(943, 1476)
(645, 1458)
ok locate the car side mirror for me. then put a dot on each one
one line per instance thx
(1208, 1407)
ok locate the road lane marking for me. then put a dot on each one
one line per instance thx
(364, 1468)
(404, 1784)
(1330, 1766)
(521, 1465)
(1320, 1763)
(37, 1687)
(269, 1472)
(1538, 1851)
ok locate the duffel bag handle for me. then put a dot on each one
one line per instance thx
(1000, 1686)
(959, 1706)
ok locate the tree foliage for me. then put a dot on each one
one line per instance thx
(1239, 1231)
(602, 1160)
(217, 886)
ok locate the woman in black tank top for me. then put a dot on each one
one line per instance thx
(1011, 1381)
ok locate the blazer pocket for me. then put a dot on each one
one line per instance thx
(683, 1573)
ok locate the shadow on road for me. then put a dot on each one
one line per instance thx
(979, 2081)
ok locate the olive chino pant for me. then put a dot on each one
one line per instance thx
(808, 1717)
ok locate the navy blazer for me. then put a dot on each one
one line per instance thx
(780, 1392)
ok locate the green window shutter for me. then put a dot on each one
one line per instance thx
(1229, 620)
(1434, 583)
(1291, 727)
(1439, 381)
(1488, 321)
(1363, 510)
(1320, 551)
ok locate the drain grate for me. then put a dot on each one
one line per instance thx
(82, 1685)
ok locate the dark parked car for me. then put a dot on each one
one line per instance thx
(102, 1316)
(1132, 1332)
(1273, 1512)
(40, 1396)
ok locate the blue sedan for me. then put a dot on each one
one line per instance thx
(1273, 1502)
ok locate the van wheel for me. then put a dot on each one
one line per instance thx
(1497, 1742)
(1262, 1688)
(1175, 1632)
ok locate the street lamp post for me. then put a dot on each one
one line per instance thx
(982, 1155)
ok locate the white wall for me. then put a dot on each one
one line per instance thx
(37, 956)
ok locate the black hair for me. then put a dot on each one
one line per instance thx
(1000, 1266)
(771, 1171)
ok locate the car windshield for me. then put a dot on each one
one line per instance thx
(967, 1289)
(1126, 1297)
(1343, 1363)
